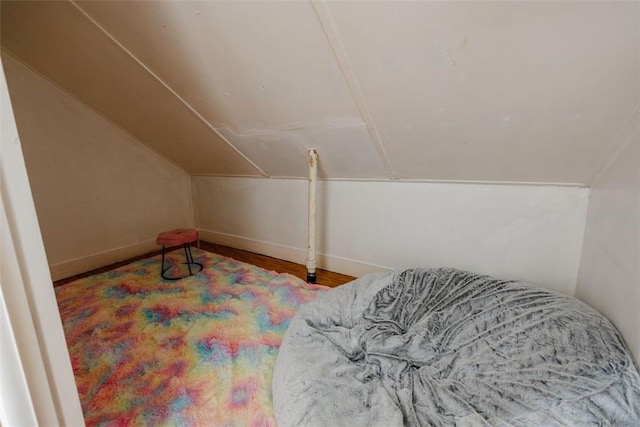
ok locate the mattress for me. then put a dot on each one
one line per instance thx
(448, 347)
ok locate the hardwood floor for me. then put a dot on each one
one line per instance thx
(325, 277)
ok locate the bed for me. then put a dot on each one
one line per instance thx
(448, 347)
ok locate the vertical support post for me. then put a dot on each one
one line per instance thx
(311, 255)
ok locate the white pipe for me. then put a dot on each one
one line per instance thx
(313, 177)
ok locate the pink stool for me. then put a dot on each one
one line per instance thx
(178, 237)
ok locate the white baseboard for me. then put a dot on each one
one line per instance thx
(82, 265)
(289, 253)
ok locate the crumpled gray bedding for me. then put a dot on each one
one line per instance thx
(447, 347)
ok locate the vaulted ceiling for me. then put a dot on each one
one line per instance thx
(477, 91)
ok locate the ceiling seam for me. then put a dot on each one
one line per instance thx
(166, 86)
(88, 106)
(340, 53)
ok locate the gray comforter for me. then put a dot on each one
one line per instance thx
(448, 347)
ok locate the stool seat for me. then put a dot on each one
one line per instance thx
(178, 237)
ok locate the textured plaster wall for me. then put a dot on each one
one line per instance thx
(525, 232)
(97, 190)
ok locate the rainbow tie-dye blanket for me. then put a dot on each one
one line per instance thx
(199, 351)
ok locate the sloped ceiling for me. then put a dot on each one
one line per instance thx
(479, 91)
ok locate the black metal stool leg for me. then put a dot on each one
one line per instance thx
(163, 270)
(189, 261)
(162, 265)
(186, 255)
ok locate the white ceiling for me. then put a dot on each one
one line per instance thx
(478, 91)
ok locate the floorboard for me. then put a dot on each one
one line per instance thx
(326, 278)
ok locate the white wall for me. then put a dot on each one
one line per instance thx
(609, 278)
(524, 232)
(101, 196)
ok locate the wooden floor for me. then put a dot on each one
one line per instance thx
(326, 278)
